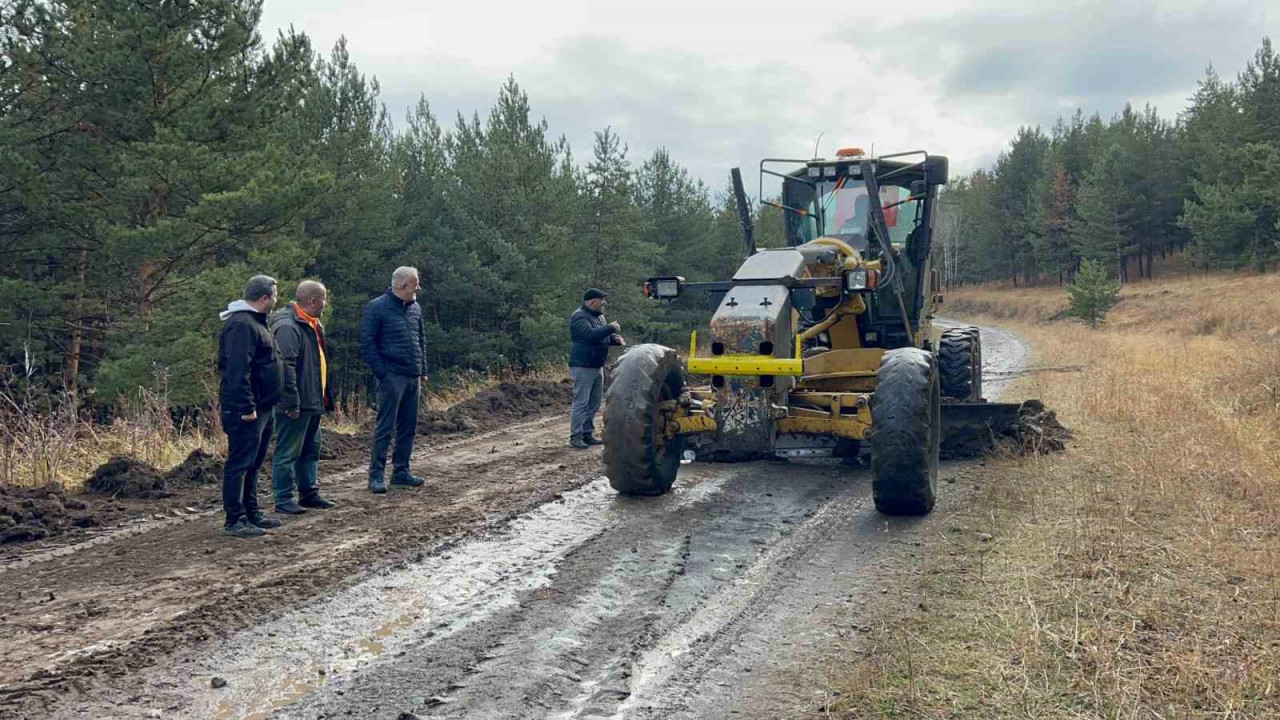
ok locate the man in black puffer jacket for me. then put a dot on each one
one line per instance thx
(393, 344)
(592, 335)
(249, 364)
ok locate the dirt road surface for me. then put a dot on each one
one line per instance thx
(514, 584)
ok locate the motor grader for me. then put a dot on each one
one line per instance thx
(825, 347)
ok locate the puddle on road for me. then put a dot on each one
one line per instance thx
(410, 608)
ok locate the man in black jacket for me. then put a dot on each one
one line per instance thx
(303, 399)
(592, 335)
(393, 344)
(250, 368)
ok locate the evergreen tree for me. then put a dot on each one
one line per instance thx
(1015, 202)
(1092, 294)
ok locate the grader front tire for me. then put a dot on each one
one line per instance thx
(906, 418)
(638, 460)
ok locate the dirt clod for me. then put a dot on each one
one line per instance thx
(34, 513)
(217, 682)
(1035, 430)
(200, 468)
(128, 478)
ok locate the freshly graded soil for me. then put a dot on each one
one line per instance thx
(36, 513)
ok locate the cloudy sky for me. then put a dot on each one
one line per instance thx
(725, 83)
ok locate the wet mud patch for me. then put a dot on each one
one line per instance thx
(38, 512)
(1032, 430)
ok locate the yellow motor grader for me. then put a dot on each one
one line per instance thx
(823, 348)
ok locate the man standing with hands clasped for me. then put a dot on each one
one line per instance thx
(592, 335)
(304, 398)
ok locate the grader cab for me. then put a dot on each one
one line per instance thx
(825, 347)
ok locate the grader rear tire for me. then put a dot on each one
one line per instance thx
(960, 364)
(906, 429)
(638, 460)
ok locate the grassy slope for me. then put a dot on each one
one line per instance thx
(1136, 575)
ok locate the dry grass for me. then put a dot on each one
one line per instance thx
(1135, 576)
(46, 441)
(1227, 306)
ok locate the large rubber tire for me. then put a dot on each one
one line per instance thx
(906, 430)
(960, 364)
(637, 459)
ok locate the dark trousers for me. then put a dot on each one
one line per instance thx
(297, 456)
(398, 415)
(247, 444)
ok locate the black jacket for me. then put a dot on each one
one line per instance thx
(392, 340)
(302, 389)
(591, 336)
(249, 364)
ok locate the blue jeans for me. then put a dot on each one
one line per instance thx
(398, 416)
(297, 454)
(588, 386)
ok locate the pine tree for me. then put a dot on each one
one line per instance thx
(150, 124)
(1092, 294)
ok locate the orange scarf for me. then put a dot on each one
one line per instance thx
(318, 329)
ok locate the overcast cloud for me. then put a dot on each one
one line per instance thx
(725, 83)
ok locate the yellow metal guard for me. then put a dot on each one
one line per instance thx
(744, 364)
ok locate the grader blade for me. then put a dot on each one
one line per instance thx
(971, 429)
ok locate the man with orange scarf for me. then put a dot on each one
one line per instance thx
(304, 398)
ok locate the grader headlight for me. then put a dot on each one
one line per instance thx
(859, 279)
(663, 288)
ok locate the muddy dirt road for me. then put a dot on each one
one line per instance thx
(515, 584)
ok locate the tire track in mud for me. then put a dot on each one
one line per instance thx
(763, 576)
(474, 484)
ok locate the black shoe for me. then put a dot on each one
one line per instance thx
(377, 485)
(407, 479)
(317, 502)
(264, 522)
(289, 508)
(590, 439)
(243, 529)
(577, 442)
